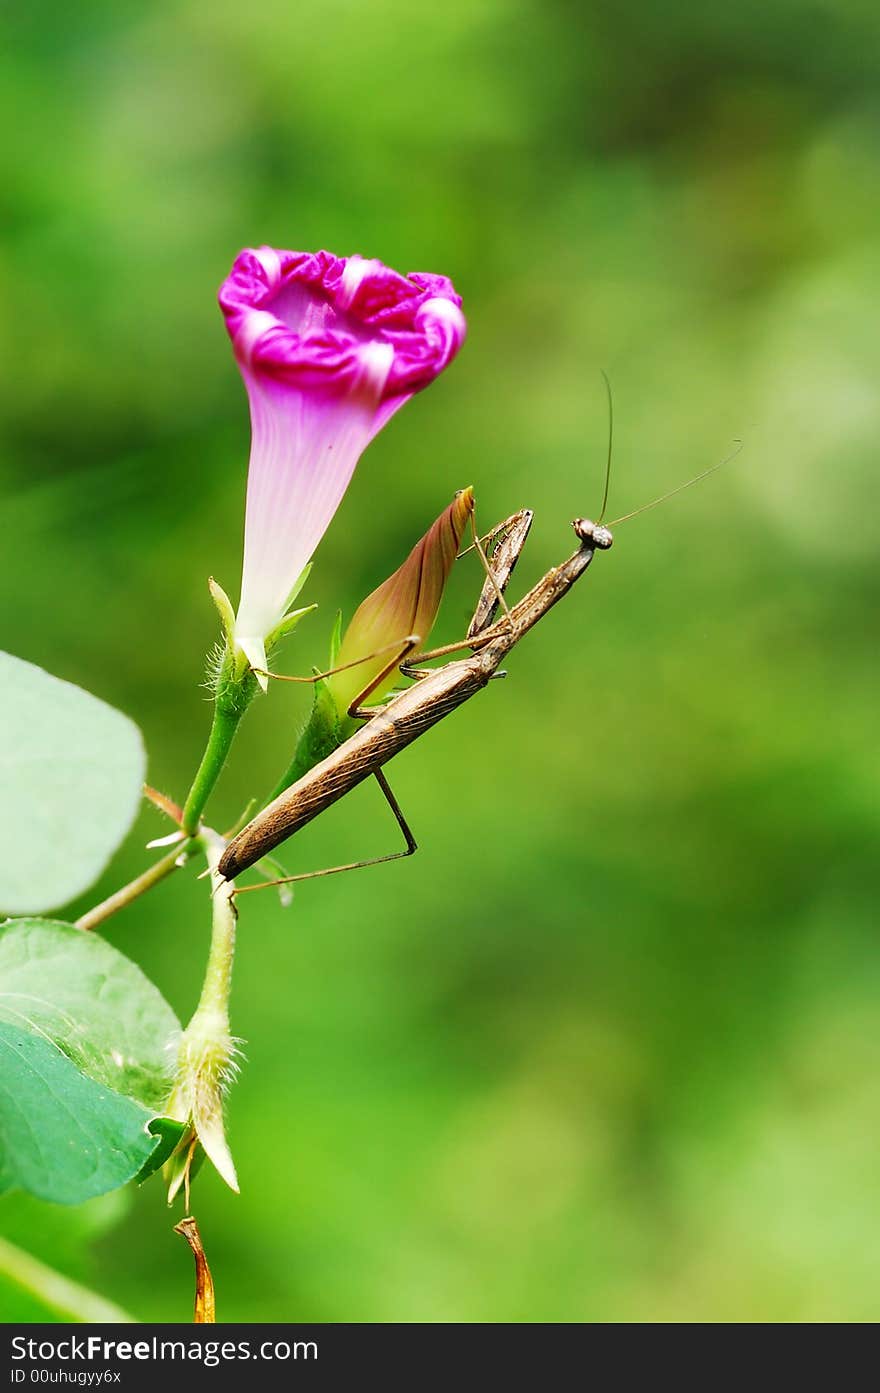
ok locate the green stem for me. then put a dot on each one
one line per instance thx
(235, 687)
(223, 727)
(59, 1293)
(139, 886)
(218, 972)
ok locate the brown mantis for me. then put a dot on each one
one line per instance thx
(436, 692)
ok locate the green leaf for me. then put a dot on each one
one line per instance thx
(91, 1001)
(71, 772)
(85, 1063)
(62, 1136)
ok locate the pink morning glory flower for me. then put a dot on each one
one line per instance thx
(329, 348)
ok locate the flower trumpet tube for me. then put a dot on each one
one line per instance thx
(404, 606)
(329, 349)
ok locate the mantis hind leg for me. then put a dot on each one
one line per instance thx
(400, 647)
(410, 848)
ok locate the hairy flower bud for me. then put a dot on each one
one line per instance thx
(207, 1053)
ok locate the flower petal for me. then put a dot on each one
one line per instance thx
(315, 308)
(329, 348)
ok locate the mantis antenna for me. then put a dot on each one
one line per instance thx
(610, 442)
(672, 492)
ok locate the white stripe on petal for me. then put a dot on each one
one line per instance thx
(375, 365)
(438, 308)
(253, 325)
(357, 268)
(271, 264)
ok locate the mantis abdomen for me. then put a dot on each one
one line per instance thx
(388, 732)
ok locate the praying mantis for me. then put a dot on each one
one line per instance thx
(435, 693)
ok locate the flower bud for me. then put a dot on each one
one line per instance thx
(207, 1053)
(405, 605)
(206, 1064)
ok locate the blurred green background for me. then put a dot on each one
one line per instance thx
(608, 1047)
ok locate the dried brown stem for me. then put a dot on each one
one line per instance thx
(204, 1310)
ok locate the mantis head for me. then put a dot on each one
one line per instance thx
(593, 534)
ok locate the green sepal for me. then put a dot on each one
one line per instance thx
(174, 1170)
(298, 584)
(287, 626)
(335, 639)
(224, 609)
(170, 1134)
(322, 733)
